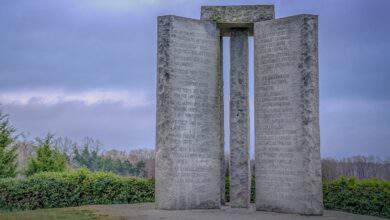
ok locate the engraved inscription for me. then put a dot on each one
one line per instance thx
(287, 168)
(188, 116)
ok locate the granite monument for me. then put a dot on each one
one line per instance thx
(190, 129)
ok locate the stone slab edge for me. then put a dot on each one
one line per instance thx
(237, 16)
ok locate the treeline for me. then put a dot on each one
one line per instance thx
(361, 167)
(88, 153)
(20, 157)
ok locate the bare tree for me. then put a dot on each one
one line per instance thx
(25, 149)
(361, 167)
(65, 145)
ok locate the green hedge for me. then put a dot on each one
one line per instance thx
(82, 187)
(366, 197)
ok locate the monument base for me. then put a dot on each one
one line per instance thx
(149, 211)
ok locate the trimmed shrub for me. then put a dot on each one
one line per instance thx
(366, 197)
(81, 187)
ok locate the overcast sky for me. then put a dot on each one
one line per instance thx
(81, 68)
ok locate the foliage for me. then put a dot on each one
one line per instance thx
(82, 187)
(253, 189)
(47, 159)
(90, 158)
(367, 197)
(227, 189)
(139, 162)
(8, 153)
(75, 188)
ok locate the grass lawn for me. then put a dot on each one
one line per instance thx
(60, 214)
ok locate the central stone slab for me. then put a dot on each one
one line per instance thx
(238, 22)
(239, 119)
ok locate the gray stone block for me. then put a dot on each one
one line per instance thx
(221, 107)
(188, 124)
(239, 119)
(287, 137)
(237, 16)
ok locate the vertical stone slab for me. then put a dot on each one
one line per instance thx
(222, 136)
(239, 119)
(188, 133)
(287, 137)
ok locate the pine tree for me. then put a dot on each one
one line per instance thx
(8, 153)
(47, 159)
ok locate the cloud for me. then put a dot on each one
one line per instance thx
(80, 45)
(87, 97)
(124, 4)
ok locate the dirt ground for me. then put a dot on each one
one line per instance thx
(147, 211)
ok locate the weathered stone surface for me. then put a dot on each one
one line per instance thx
(239, 120)
(240, 16)
(188, 142)
(287, 137)
(221, 105)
